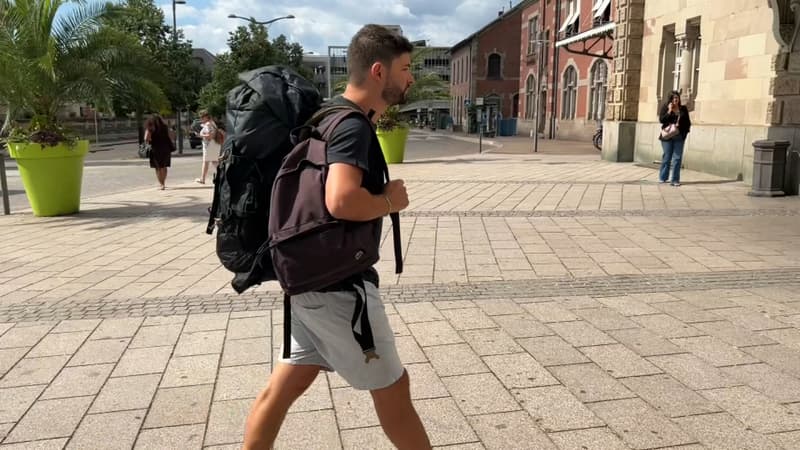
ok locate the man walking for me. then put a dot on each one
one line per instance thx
(379, 65)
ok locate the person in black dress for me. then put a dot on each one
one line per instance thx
(160, 138)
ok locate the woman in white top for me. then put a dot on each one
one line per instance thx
(210, 147)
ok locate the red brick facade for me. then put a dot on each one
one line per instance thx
(576, 118)
(486, 64)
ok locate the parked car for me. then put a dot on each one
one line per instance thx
(194, 134)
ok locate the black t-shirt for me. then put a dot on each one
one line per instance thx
(354, 142)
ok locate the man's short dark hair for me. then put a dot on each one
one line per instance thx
(374, 43)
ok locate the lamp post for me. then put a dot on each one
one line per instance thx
(178, 127)
(265, 22)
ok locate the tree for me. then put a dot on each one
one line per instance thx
(50, 58)
(250, 48)
(179, 78)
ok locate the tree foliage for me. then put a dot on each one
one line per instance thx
(49, 58)
(179, 78)
(249, 48)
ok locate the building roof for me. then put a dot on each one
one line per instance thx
(425, 104)
(205, 57)
(491, 24)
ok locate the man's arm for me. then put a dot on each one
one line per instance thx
(347, 200)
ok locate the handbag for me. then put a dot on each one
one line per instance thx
(144, 150)
(671, 130)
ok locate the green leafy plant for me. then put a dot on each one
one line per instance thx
(249, 48)
(41, 131)
(391, 119)
(50, 58)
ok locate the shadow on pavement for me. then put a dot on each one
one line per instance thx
(118, 213)
(451, 161)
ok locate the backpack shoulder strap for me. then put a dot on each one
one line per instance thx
(338, 115)
(396, 239)
(320, 115)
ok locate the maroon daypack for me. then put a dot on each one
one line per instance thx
(311, 249)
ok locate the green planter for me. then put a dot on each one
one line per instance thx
(393, 144)
(51, 175)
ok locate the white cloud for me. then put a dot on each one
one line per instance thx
(319, 23)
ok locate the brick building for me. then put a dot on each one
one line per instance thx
(566, 48)
(486, 64)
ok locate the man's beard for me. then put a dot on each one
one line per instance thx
(393, 95)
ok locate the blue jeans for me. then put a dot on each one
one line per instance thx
(673, 153)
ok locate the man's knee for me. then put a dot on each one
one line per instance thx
(397, 391)
(288, 383)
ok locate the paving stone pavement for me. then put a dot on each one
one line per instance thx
(549, 302)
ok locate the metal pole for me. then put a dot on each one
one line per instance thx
(480, 130)
(556, 53)
(537, 112)
(330, 78)
(178, 132)
(4, 183)
(96, 132)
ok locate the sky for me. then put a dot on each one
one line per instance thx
(320, 23)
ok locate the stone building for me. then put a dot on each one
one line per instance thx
(737, 66)
(317, 65)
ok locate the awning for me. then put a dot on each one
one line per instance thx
(571, 16)
(601, 6)
(602, 29)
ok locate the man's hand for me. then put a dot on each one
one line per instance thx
(395, 191)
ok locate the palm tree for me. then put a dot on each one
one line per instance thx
(49, 59)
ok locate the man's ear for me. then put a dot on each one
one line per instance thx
(376, 71)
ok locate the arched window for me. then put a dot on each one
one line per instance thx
(493, 71)
(569, 94)
(530, 88)
(598, 87)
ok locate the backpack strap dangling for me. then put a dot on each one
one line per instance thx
(287, 326)
(362, 330)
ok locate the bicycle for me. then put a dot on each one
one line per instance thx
(597, 139)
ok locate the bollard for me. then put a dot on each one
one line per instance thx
(769, 165)
(4, 182)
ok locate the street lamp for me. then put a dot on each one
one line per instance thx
(178, 127)
(253, 20)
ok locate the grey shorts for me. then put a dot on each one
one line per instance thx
(322, 335)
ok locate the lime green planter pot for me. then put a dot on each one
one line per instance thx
(51, 175)
(393, 144)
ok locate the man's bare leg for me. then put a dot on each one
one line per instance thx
(286, 384)
(398, 417)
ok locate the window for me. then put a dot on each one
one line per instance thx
(572, 20)
(601, 12)
(493, 70)
(679, 61)
(695, 41)
(545, 55)
(530, 96)
(569, 94)
(533, 28)
(598, 86)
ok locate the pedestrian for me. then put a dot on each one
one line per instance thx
(211, 148)
(379, 66)
(675, 126)
(162, 143)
